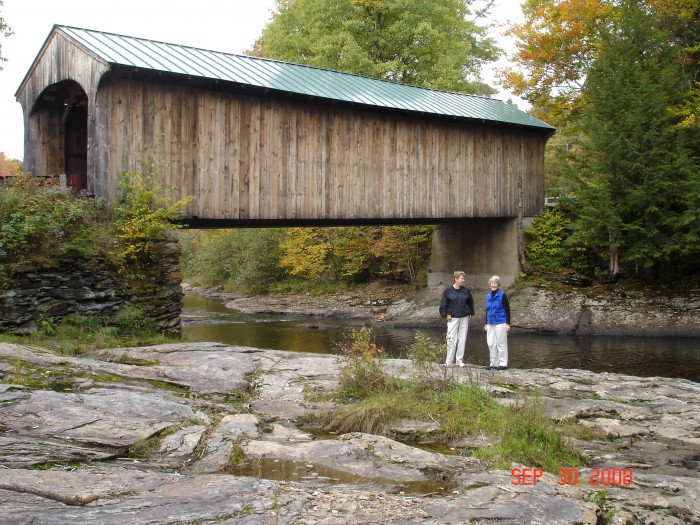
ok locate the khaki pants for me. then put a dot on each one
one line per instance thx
(457, 329)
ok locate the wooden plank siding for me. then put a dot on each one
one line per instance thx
(252, 158)
(260, 158)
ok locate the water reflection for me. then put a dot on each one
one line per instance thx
(208, 319)
(287, 470)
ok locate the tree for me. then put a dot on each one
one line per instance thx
(242, 260)
(404, 250)
(639, 191)
(619, 78)
(5, 31)
(305, 252)
(354, 250)
(557, 43)
(430, 43)
(9, 167)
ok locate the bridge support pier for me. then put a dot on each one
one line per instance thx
(478, 248)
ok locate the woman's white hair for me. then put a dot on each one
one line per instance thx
(495, 279)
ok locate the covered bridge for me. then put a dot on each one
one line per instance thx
(260, 142)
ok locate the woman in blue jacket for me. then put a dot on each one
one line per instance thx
(497, 325)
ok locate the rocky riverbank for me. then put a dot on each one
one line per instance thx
(560, 309)
(149, 436)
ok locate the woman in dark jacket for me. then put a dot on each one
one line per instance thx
(457, 306)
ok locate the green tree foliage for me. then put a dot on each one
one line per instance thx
(40, 222)
(551, 248)
(263, 259)
(5, 31)
(405, 251)
(241, 259)
(430, 43)
(546, 251)
(620, 79)
(359, 253)
(354, 251)
(639, 191)
(143, 214)
(557, 42)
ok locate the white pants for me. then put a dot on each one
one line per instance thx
(497, 339)
(457, 328)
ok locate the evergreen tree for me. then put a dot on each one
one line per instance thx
(639, 185)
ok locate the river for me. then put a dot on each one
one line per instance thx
(208, 319)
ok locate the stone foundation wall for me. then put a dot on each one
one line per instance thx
(92, 287)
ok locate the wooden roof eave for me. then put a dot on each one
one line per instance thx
(54, 31)
(185, 80)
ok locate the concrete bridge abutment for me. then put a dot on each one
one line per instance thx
(478, 248)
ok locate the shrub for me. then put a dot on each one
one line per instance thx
(143, 215)
(427, 357)
(546, 250)
(241, 259)
(41, 221)
(132, 320)
(362, 374)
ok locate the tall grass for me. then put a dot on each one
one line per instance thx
(375, 402)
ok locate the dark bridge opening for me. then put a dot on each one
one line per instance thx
(76, 145)
(61, 114)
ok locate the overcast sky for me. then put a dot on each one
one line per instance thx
(221, 25)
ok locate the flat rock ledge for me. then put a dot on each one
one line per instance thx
(65, 439)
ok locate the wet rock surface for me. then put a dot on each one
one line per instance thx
(65, 440)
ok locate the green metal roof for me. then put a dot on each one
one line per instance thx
(297, 79)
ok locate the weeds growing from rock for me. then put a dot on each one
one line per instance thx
(362, 374)
(376, 402)
(79, 334)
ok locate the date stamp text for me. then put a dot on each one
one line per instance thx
(597, 477)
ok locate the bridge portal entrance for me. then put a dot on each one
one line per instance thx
(59, 123)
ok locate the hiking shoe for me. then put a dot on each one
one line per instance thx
(501, 367)
(461, 365)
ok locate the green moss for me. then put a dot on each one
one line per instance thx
(572, 427)
(247, 510)
(41, 466)
(474, 486)
(144, 448)
(126, 359)
(508, 386)
(33, 377)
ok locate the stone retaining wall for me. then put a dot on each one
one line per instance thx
(91, 286)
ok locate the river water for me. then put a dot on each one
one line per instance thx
(208, 319)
